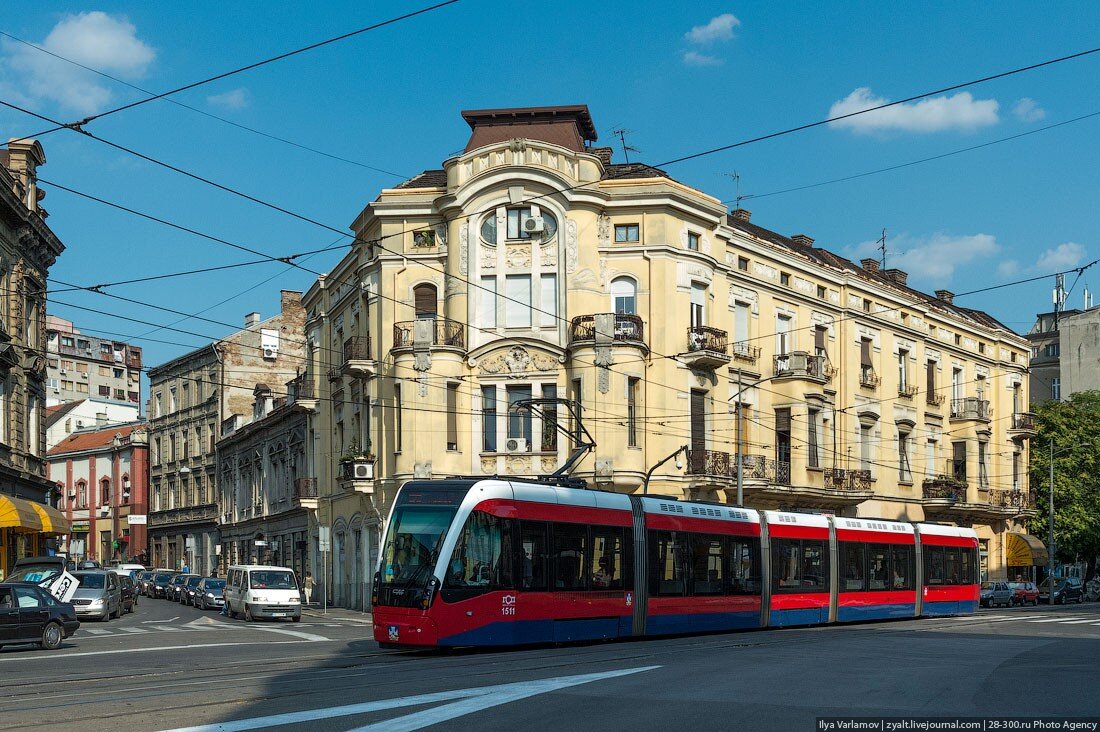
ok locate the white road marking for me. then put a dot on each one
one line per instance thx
(1018, 617)
(22, 657)
(479, 698)
(991, 617)
(134, 630)
(1054, 620)
(1079, 622)
(295, 633)
(167, 628)
(98, 631)
(169, 620)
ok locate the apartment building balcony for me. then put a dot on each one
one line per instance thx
(868, 379)
(708, 463)
(769, 483)
(1016, 503)
(607, 329)
(1023, 426)
(745, 351)
(934, 401)
(357, 474)
(358, 362)
(970, 409)
(429, 333)
(802, 365)
(306, 493)
(907, 391)
(947, 498)
(301, 394)
(184, 515)
(707, 348)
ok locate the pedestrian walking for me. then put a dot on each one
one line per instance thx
(307, 587)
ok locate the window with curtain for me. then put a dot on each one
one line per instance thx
(624, 296)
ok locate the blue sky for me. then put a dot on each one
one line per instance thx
(681, 77)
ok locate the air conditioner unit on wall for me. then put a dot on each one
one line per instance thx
(515, 444)
(364, 471)
(271, 353)
(534, 225)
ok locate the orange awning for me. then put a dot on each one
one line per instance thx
(38, 517)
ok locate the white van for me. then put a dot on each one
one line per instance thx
(258, 591)
(130, 569)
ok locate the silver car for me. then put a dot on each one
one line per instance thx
(997, 593)
(99, 595)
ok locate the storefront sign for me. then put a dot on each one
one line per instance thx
(80, 527)
(133, 519)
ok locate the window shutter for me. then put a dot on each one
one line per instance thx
(819, 339)
(425, 300)
(865, 352)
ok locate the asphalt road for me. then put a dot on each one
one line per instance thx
(168, 666)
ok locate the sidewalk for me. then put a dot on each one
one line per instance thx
(337, 613)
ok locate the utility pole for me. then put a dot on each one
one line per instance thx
(882, 247)
(1050, 521)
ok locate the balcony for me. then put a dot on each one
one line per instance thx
(944, 489)
(357, 474)
(744, 351)
(842, 479)
(934, 400)
(802, 365)
(1016, 503)
(616, 328)
(768, 483)
(970, 408)
(707, 348)
(357, 361)
(429, 333)
(1023, 426)
(868, 379)
(708, 463)
(184, 515)
(301, 393)
(907, 391)
(306, 493)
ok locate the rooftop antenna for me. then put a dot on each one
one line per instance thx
(1058, 296)
(738, 197)
(882, 247)
(621, 133)
(1088, 298)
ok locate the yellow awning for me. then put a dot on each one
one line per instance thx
(23, 514)
(1024, 550)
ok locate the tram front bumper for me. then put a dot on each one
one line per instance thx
(392, 629)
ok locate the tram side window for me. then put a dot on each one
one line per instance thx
(799, 565)
(967, 575)
(953, 565)
(533, 557)
(606, 565)
(744, 569)
(569, 556)
(878, 567)
(481, 558)
(852, 566)
(972, 563)
(902, 562)
(934, 569)
(707, 565)
(668, 551)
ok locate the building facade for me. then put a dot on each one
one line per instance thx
(1045, 366)
(189, 399)
(103, 475)
(268, 503)
(1080, 354)
(28, 248)
(533, 267)
(82, 366)
(68, 417)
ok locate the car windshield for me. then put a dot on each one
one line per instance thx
(268, 579)
(162, 579)
(215, 585)
(194, 581)
(987, 585)
(90, 581)
(1046, 584)
(36, 573)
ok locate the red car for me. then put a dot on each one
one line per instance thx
(1026, 593)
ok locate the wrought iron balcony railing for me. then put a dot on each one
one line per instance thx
(305, 488)
(1024, 421)
(868, 377)
(626, 327)
(802, 364)
(971, 408)
(907, 391)
(745, 351)
(357, 348)
(705, 338)
(708, 462)
(444, 332)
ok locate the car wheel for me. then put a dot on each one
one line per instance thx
(297, 618)
(52, 636)
(248, 618)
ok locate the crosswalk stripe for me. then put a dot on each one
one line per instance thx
(1017, 617)
(166, 628)
(991, 617)
(1079, 622)
(98, 631)
(134, 630)
(1053, 620)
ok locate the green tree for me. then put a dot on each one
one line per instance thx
(1070, 424)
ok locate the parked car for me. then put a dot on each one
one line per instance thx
(89, 564)
(1026, 593)
(129, 593)
(996, 593)
(257, 591)
(188, 589)
(160, 583)
(1066, 589)
(178, 581)
(211, 594)
(29, 614)
(122, 568)
(143, 580)
(99, 594)
(37, 570)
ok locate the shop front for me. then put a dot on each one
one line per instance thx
(1024, 555)
(28, 529)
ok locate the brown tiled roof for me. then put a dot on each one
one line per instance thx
(57, 411)
(427, 179)
(831, 259)
(621, 171)
(91, 440)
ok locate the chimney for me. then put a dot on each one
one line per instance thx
(741, 214)
(896, 275)
(945, 295)
(869, 264)
(100, 419)
(24, 157)
(290, 301)
(603, 153)
(251, 319)
(806, 241)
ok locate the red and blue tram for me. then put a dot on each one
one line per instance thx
(468, 562)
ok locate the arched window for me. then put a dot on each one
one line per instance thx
(624, 295)
(105, 492)
(81, 494)
(424, 298)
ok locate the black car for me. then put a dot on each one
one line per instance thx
(1066, 589)
(177, 583)
(159, 585)
(129, 593)
(29, 614)
(211, 594)
(188, 590)
(144, 580)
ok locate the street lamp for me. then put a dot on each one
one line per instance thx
(737, 446)
(649, 473)
(1050, 513)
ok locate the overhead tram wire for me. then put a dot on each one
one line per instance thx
(225, 75)
(203, 112)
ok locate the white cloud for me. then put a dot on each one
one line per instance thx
(1008, 268)
(693, 58)
(934, 258)
(959, 112)
(718, 28)
(233, 99)
(1028, 110)
(1060, 258)
(97, 40)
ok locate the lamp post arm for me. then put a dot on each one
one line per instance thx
(649, 473)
